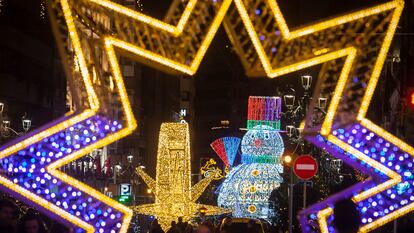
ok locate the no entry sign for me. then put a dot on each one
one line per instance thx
(305, 167)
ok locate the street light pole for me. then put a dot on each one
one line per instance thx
(304, 194)
(290, 190)
(297, 108)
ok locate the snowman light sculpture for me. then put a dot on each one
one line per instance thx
(247, 187)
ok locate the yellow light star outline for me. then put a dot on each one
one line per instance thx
(172, 30)
(350, 54)
(177, 31)
(94, 104)
(289, 35)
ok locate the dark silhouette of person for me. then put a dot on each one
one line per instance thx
(173, 228)
(181, 225)
(31, 222)
(8, 216)
(347, 218)
(156, 227)
(188, 229)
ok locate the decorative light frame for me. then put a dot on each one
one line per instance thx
(389, 12)
(346, 111)
(330, 132)
(54, 139)
(168, 30)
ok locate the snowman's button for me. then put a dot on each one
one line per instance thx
(255, 173)
(253, 189)
(252, 208)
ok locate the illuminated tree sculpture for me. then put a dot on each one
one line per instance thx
(174, 196)
(248, 186)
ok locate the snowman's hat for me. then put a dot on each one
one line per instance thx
(264, 110)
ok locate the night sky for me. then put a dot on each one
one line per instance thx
(297, 12)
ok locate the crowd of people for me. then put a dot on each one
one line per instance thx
(347, 219)
(207, 226)
(182, 227)
(13, 220)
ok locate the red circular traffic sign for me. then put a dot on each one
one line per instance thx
(305, 167)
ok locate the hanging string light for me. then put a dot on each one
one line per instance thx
(1, 4)
(42, 9)
(140, 6)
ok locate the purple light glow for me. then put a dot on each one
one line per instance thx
(27, 169)
(380, 150)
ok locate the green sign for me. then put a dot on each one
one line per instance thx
(125, 199)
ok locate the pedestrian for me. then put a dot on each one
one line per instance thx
(173, 228)
(156, 227)
(31, 222)
(188, 229)
(181, 225)
(346, 217)
(8, 216)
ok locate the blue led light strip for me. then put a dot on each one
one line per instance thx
(27, 169)
(395, 197)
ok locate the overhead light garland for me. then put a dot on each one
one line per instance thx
(140, 5)
(42, 9)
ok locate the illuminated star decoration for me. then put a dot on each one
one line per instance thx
(174, 195)
(31, 163)
(352, 49)
(176, 45)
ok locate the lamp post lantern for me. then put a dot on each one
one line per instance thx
(6, 130)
